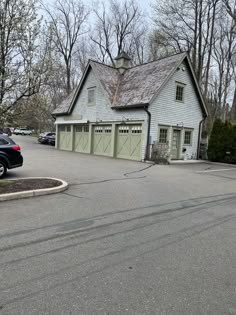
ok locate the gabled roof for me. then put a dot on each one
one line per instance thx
(64, 106)
(137, 86)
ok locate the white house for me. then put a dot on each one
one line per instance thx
(126, 112)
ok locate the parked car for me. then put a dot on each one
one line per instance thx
(52, 139)
(6, 131)
(47, 138)
(3, 133)
(23, 131)
(10, 155)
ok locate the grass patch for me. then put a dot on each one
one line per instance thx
(4, 182)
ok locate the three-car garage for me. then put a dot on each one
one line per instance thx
(115, 140)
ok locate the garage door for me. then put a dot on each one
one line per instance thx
(65, 138)
(128, 142)
(102, 140)
(81, 137)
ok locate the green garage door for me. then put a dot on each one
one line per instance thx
(102, 140)
(128, 142)
(81, 137)
(65, 137)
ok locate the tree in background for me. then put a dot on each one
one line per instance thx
(121, 26)
(222, 144)
(22, 60)
(206, 29)
(66, 22)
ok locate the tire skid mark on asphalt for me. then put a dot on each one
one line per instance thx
(181, 236)
(111, 213)
(107, 225)
(139, 227)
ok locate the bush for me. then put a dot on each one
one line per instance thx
(222, 144)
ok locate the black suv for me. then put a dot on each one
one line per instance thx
(10, 156)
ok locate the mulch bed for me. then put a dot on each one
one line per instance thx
(12, 186)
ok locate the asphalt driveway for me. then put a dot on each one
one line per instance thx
(126, 238)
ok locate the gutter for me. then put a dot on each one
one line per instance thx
(124, 107)
(199, 136)
(147, 153)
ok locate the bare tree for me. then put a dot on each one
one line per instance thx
(22, 60)
(231, 8)
(66, 21)
(119, 27)
(158, 46)
(189, 26)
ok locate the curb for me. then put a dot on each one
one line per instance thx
(218, 163)
(36, 192)
(181, 162)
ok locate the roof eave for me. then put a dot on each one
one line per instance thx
(60, 114)
(185, 55)
(130, 106)
(79, 87)
(168, 77)
(203, 104)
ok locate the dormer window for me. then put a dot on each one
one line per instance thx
(91, 96)
(179, 95)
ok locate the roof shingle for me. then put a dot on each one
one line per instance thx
(136, 86)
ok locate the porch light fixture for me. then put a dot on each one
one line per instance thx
(180, 125)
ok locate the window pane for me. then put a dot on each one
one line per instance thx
(78, 129)
(3, 141)
(179, 93)
(163, 135)
(91, 96)
(187, 137)
(107, 129)
(68, 128)
(61, 128)
(137, 129)
(86, 128)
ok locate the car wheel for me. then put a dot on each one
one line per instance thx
(3, 169)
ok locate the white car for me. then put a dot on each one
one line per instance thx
(23, 131)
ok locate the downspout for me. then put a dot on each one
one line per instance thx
(199, 136)
(148, 133)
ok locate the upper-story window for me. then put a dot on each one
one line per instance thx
(179, 94)
(91, 96)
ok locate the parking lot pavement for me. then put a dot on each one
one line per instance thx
(126, 238)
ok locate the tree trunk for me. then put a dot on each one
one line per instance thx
(210, 48)
(200, 61)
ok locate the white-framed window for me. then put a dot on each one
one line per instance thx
(163, 135)
(78, 129)
(68, 128)
(179, 93)
(98, 129)
(107, 129)
(91, 97)
(61, 128)
(187, 137)
(64, 128)
(137, 129)
(123, 129)
(86, 128)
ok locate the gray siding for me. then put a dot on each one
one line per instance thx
(166, 111)
(102, 111)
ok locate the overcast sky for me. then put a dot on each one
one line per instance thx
(144, 4)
